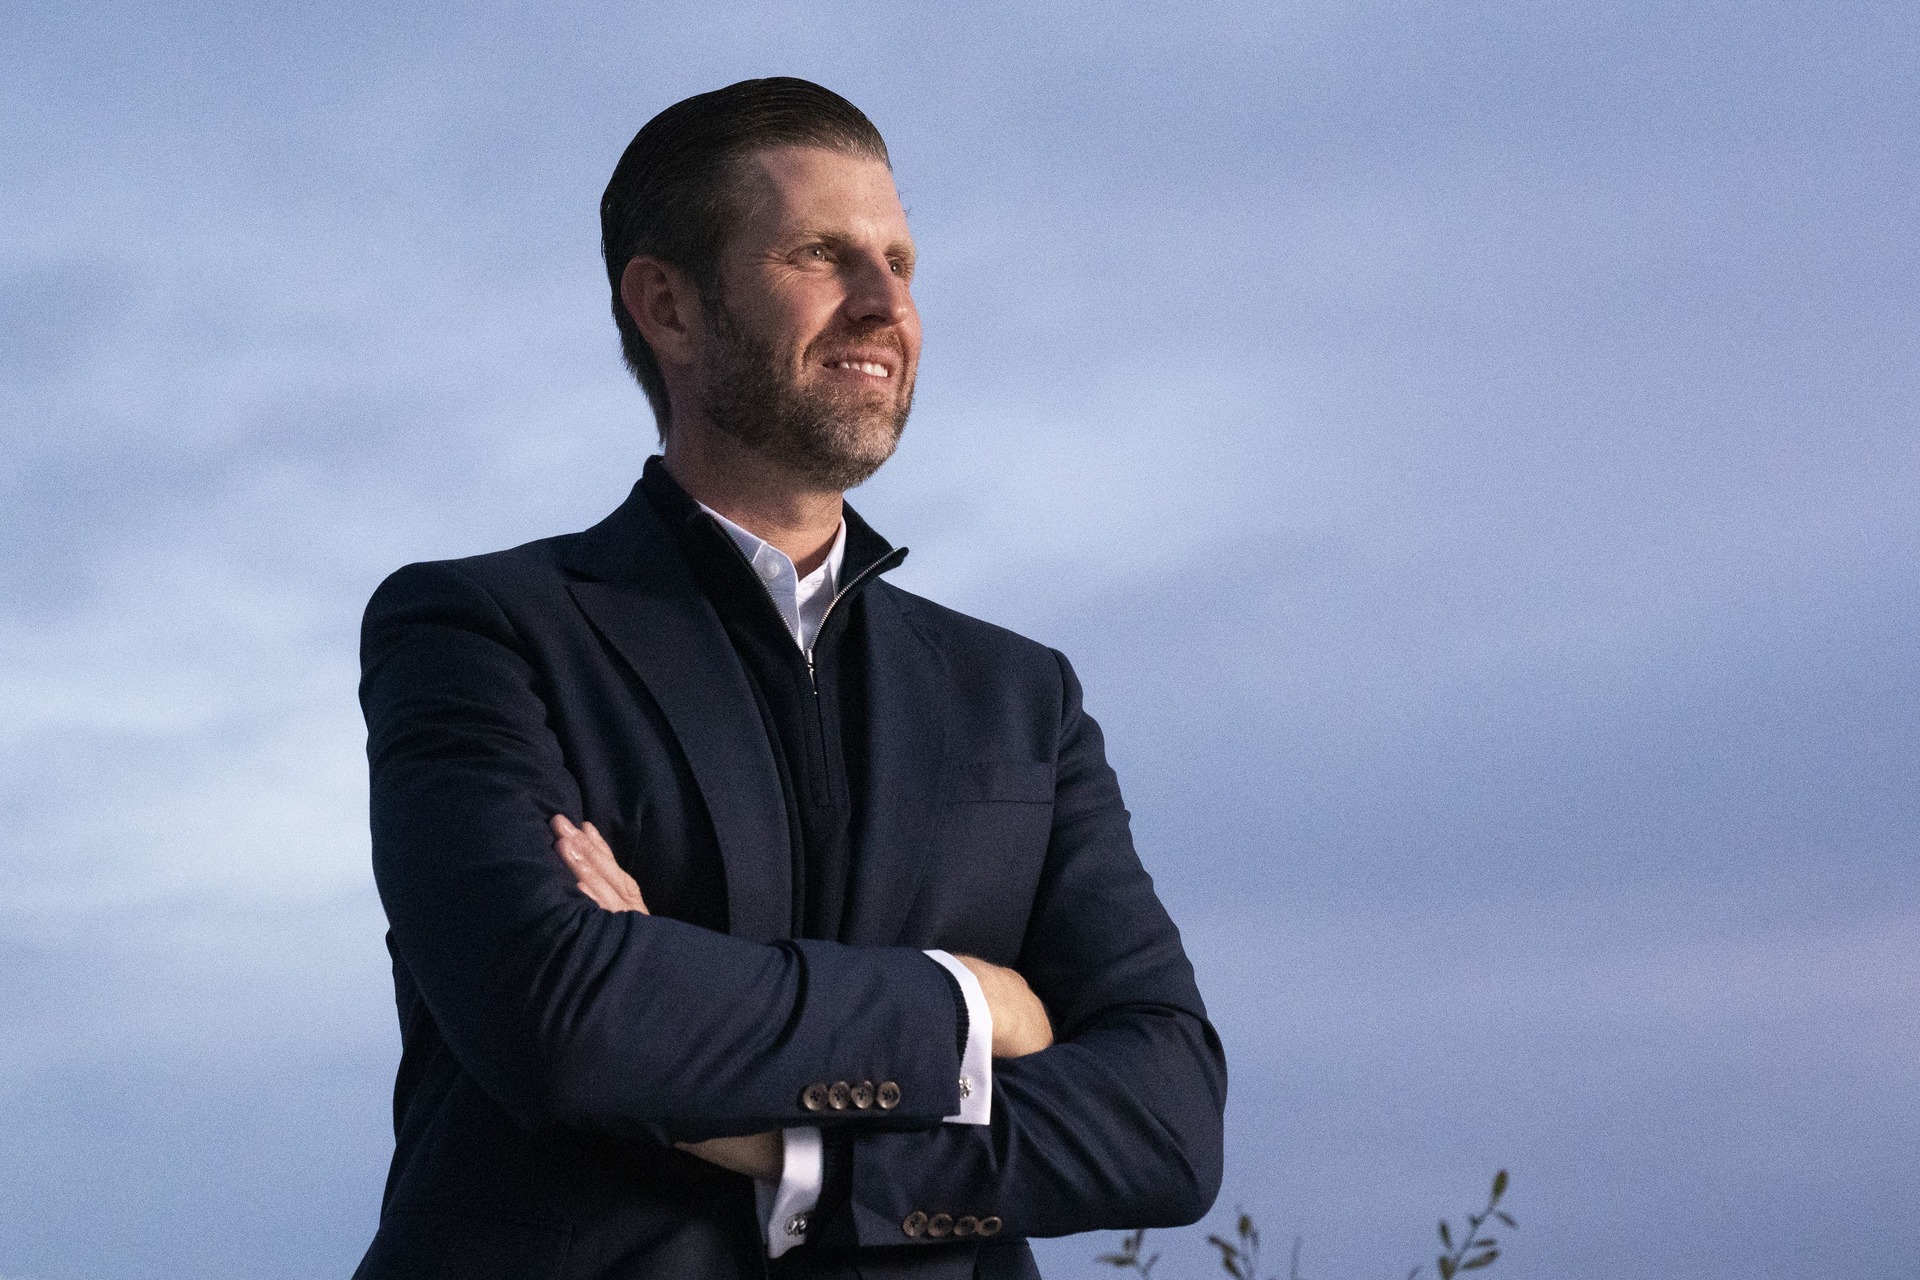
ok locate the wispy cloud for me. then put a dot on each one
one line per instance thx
(1468, 455)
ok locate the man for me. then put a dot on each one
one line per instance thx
(750, 914)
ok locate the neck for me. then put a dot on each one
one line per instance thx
(758, 496)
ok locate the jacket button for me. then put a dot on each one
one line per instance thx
(915, 1225)
(863, 1095)
(940, 1224)
(814, 1097)
(839, 1095)
(887, 1095)
(990, 1225)
(966, 1225)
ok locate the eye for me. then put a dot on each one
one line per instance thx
(814, 253)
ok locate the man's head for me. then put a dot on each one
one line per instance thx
(759, 259)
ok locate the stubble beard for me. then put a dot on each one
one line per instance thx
(823, 438)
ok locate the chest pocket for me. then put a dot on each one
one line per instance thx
(994, 830)
(1000, 781)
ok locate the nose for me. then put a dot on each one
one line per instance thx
(876, 293)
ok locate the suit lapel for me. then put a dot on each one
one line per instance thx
(907, 688)
(646, 605)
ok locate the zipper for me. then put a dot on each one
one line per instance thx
(881, 565)
(885, 562)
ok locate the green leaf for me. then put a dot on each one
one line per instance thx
(1446, 1266)
(1485, 1259)
(1499, 1184)
(1115, 1259)
(1446, 1235)
(1506, 1218)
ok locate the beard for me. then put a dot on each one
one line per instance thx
(827, 437)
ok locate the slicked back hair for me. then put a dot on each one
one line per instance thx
(672, 196)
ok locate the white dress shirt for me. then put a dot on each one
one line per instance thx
(786, 1207)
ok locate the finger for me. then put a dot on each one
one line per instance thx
(585, 851)
(598, 851)
(598, 844)
(629, 890)
(589, 877)
(598, 856)
(599, 875)
(566, 842)
(571, 845)
(617, 875)
(578, 854)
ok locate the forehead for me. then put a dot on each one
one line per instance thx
(786, 191)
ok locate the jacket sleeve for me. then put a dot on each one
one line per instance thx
(563, 1013)
(1118, 1124)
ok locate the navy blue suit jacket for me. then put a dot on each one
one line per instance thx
(553, 1051)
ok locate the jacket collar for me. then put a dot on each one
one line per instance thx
(678, 511)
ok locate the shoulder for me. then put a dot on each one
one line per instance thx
(973, 645)
(628, 545)
(497, 583)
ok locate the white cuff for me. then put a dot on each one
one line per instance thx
(976, 1060)
(786, 1208)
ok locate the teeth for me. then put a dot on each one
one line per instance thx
(862, 366)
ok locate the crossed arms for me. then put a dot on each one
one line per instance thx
(1020, 1024)
(568, 1013)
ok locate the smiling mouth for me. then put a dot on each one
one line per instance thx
(868, 367)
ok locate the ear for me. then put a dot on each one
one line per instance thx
(664, 305)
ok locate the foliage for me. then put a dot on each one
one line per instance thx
(1481, 1248)
(1240, 1257)
(1128, 1259)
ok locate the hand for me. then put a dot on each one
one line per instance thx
(593, 866)
(1020, 1025)
(758, 1155)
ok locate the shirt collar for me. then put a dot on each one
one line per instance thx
(759, 552)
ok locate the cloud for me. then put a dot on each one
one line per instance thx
(1467, 455)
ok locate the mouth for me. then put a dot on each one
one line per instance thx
(861, 365)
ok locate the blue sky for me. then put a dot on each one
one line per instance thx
(1468, 450)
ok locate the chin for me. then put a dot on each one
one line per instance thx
(842, 469)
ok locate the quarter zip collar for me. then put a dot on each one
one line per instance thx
(802, 602)
(863, 554)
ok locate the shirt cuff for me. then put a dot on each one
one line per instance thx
(976, 1058)
(786, 1208)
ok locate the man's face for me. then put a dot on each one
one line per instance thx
(812, 346)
